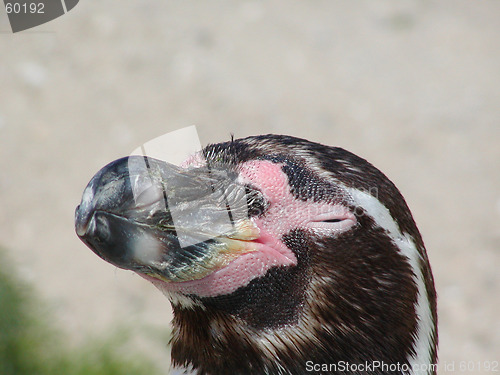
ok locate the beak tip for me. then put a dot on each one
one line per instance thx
(85, 209)
(82, 219)
(80, 226)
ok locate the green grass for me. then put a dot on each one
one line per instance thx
(31, 345)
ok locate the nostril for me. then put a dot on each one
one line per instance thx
(148, 196)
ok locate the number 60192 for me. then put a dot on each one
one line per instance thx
(25, 8)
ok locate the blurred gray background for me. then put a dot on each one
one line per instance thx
(412, 86)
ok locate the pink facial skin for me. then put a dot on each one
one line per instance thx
(284, 214)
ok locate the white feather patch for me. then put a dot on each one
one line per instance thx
(182, 371)
(425, 328)
(182, 301)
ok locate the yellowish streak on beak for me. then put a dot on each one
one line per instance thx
(229, 248)
(159, 277)
(246, 230)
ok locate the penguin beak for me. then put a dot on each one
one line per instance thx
(160, 220)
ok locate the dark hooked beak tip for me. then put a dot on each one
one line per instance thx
(114, 216)
(82, 219)
(84, 211)
(80, 223)
(93, 198)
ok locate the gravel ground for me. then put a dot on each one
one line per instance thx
(412, 86)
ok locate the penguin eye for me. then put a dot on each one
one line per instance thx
(333, 219)
(256, 203)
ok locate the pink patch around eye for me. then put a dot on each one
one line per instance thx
(286, 212)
